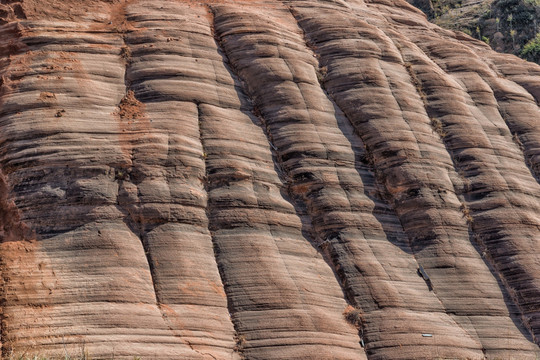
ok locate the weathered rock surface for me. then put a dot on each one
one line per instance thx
(264, 180)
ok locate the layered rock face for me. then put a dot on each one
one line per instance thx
(264, 180)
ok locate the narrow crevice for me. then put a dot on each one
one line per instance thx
(209, 215)
(519, 319)
(462, 193)
(384, 194)
(478, 240)
(365, 158)
(137, 227)
(483, 249)
(518, 138)
(134, 124)
(130, 110)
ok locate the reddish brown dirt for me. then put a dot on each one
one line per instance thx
(130, 108)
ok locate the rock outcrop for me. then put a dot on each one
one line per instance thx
(264, 180)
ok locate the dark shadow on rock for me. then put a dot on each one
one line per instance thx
(299, 205)
(382, 211)
(513, 309)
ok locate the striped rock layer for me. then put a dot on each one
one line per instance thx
(264, 180)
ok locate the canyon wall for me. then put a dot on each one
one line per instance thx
(264, 180)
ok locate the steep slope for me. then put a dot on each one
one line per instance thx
(264, 180)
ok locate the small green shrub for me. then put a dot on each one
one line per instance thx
(531, 50)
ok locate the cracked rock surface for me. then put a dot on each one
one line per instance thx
(264, 180)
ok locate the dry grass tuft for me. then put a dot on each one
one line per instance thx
(354, 316)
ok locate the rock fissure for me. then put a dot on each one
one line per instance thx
(438, 128)
(208, 210)
(131, 110)
(266, 180)
(520, 131)
(384, 196)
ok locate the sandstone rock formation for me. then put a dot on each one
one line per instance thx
(264, 180)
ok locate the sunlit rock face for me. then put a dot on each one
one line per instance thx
(264, 180)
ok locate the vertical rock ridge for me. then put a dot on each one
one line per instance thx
(133, 124)
(490, 167)
(172, 190)
(177, 238)
(462, 189)
(239, 342)
(310, 331)
(523, 73)
(518, 115)
(237, 40)
(67, 194)
(318, 31)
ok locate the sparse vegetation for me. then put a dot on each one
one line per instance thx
(531, 50)
(121, 174)
(130, 108)
(125, 53)
(466, 213)
(321, 74)
(437, 126)
(505, 25)
(240, 343)
(354, 316)
(416, 81)
(517, 141)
